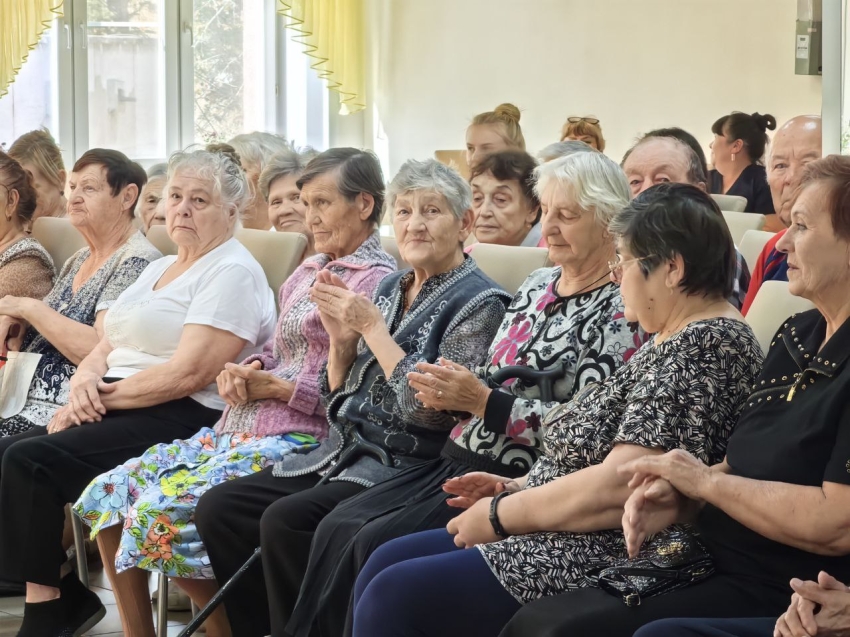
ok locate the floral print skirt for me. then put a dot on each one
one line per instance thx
(154, 496)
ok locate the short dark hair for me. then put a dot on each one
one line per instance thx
(359, 171)
(686, 138)
(834, 172)
(750, 129)
(671, 219)
(507, 165)
(14, 177)
(121, 171)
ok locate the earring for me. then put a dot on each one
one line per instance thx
(733, 156)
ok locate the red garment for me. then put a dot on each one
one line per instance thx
(757, 275)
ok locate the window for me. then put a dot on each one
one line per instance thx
(148, 77)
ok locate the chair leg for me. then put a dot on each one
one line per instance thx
(80, 548)
(162, 606)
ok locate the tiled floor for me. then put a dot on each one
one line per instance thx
(12, 608)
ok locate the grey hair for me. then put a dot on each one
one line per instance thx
(696, 174)
(256, 148)
(434, 176)
(227, 177)
(284, 164)
(595, 182)
(562, 149)
(158, 170)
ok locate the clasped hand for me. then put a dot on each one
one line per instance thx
(819, 608)
(85, 402)
(474, 492)
(346, 315)
(238, 384)
(449, 386)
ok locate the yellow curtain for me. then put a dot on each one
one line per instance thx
(21, 24)
(332, 34)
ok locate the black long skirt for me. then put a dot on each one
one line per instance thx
(410, 502)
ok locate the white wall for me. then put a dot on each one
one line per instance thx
(635, 64)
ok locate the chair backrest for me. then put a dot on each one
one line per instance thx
(509, 266)
(391, 247)
(279, 253)
(752, 244)
(59, 237)
(772, 305)
(740, 222)
(158, 236)
(454, 158)
(732, 203)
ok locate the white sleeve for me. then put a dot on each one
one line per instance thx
(229, 298)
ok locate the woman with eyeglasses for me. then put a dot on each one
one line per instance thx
(539, 536)
(566, 319)
(584, 129)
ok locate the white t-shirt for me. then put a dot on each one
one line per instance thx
(225, 289)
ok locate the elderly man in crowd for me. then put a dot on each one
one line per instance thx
(654, 160)
(796, 144)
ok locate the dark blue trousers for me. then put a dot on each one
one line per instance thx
(411, 587)
(757, 627)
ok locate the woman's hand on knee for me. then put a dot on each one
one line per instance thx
(64, 418)
(85, 398)
(471, 487)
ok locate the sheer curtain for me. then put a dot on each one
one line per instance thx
(21, 25)
(332, 34)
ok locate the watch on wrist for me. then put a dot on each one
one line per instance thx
(498, 529)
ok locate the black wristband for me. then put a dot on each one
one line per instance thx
(498, 529)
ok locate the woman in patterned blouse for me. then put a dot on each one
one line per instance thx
(568, 317)
(684, 389)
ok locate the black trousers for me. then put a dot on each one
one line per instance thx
(590, 612)
(281, 516)
(40, 474)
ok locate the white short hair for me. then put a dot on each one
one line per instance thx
(596, 183)
(256, 148)
(434, 176)
(227, 178)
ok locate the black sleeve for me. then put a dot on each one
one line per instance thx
(762, 199)
(497, 413)
(838, 468)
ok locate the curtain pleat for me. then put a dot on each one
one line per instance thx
(331, 32)
(22, 22)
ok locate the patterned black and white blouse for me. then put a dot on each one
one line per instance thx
(50, 384)
(686, 392)
(585, 334)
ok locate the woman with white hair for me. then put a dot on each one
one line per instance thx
(568, 319)
(273, 409)
(151, 379)
(255, 149)
(444, 307)
(541, 534)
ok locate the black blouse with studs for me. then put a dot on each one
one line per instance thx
(795, 428)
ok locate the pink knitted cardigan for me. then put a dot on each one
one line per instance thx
(299, 348)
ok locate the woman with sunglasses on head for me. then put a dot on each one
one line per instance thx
(584, 129)
(682, 390)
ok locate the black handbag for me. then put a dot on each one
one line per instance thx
(671, 560)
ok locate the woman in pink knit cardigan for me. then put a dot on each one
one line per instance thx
(273, 410)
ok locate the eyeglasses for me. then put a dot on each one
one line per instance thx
(589, 120)
(616, 267)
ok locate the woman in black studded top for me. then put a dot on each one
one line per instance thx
(778, 506)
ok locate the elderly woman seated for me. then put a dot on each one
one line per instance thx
(25, 267)
(567, 320)
(279, 186)
(255, 149)
(150, 210)
(778, 506)
(67, 325)
(683, 389)
(273, 409)
(443, 307)
(506, 208)
(151, 379)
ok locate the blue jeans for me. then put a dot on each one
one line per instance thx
(422, 584)
(755, 627)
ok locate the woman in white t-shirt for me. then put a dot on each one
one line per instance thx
(151, 379)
